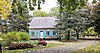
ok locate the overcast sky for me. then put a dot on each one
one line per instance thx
(49, 4)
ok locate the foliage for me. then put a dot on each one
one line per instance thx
(10, 23)
(90, 31)
(18, 13)
(36, 43)
(39, 13)
(70, 5)
(19, 5)
(29, 42)
(63, 36)
(73, 15)
(68, 17)
(14, 46)
(13, 36)
(72, 21)
(94, 10)
(24, 36)
(5, 7)
(54, 11)
(97, 20)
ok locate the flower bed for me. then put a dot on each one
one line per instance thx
(14, 46)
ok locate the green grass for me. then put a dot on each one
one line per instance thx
(90, 49)
(49, 45)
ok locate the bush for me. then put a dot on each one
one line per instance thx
(63, 38)
(24, 36)
(14, 37)
(42, 43)
(29, 42)
(10, 37)
(2, 34)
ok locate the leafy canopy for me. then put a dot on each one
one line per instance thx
(5, 7)
(39, 13)
(54, 11)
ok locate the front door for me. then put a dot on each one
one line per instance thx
(41, 34)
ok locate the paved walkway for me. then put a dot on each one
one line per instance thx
(65, 49)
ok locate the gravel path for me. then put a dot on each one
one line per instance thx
(65, 49)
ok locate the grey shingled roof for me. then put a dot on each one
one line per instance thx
(43, 22)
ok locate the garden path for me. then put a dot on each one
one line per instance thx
(70, 47)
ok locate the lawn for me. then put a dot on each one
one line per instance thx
(49, 45)
(90, 49)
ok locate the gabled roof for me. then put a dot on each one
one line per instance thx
(43, 22)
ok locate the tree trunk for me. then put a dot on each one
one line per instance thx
(68, 35)
(77, 34)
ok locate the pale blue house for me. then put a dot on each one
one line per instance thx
(43, 27)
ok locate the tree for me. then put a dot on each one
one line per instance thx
(5, 7)
(17, 20)
(70, 5)
(95, 16)
(19, 12)
(39, 13)
(19, 5)
(76, 22)
(69, 18)
(54, 11)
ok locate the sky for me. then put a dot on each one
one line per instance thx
(47, 6)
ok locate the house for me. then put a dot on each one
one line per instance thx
(43, 27)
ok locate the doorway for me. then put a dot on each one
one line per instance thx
(41, 34)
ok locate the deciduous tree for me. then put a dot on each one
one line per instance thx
(54, 11)
(39, 13)
(5, 8)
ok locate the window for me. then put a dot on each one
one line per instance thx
(47, 33)
(32, 33)
(54, 32)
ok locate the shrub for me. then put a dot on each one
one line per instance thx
(2, 34)
(63, 38)
(14, 37)
(42, 43)
(29, 42)
(36, 43)
(10, 37)
(24, 36)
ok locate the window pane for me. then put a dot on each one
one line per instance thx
(54, 32)
(47, 33)
(32, 33)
